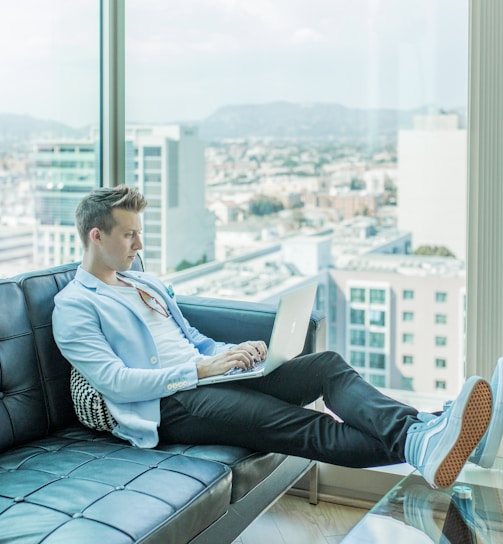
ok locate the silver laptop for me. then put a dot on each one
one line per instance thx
(287, 338)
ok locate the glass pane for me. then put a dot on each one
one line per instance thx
(49, 147)
(408, 294)
(377, 318)
(357, 358)
(408, 338)
(376, 339)
(311, 139)
(377, 296)
(407, 383)
(440, 363)
(357, 295)
(357, 317)
(357, 337)
(377, 360)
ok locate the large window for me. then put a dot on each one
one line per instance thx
(276, 119)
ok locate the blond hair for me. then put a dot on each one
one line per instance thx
(95, 210)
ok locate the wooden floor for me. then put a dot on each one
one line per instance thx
(292, 520)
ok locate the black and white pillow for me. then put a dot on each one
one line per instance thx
(90, 407)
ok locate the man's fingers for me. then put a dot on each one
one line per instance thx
(239, 356)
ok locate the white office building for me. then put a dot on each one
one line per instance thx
(169, 170)
(432, 174)
(63, 172)
(401, 320)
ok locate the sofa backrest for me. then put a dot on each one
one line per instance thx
(39, 289)
(23, 412)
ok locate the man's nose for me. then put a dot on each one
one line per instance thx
(138, 244)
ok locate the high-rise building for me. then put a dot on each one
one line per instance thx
(432, 174)
(401, 320)
(63, 172)
(169, 169)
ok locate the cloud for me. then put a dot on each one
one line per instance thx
(303, 36)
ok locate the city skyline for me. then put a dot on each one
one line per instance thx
(191, 59)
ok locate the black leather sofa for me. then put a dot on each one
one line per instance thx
(61, 483)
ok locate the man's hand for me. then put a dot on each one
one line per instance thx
(256, 348)
(244, 356)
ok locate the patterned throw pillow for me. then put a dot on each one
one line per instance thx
(90, 407)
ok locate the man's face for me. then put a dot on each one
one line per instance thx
(118, 248)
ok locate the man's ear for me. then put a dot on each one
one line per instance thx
(95, 235)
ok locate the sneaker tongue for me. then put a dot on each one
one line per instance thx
(426, 417)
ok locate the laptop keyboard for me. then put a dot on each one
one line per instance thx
(257, 368)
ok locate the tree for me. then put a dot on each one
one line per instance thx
(265, 205)
(184, 264)
(434, 251)
(357, 184)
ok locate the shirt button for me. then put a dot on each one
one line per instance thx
(153, 360)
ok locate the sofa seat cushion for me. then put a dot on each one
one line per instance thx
(81, 487)
(249, 468)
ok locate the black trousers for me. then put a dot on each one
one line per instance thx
(266, 414)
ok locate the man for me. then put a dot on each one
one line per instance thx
(123, 331)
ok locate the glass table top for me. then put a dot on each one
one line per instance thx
(414, 513)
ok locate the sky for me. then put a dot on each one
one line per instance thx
(185, 59)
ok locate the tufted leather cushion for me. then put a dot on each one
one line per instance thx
(23, 414)
(39, 289)
(76, 486)
(249, 468)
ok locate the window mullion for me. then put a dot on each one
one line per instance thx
(484, 338)
(112, 123)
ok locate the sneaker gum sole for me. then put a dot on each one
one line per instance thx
(476, 418)
(488, 453)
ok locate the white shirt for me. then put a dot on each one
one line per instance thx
(172, 345)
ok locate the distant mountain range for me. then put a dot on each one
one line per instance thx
(289, 120)
(26, 128)
(275, 120)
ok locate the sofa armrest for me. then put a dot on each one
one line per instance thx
(237, 321)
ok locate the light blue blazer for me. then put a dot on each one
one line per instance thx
(111, 346)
